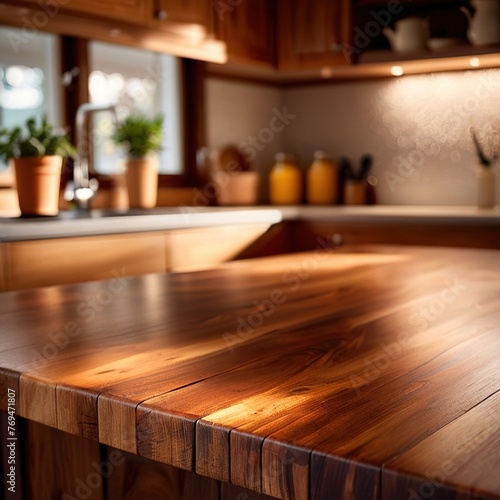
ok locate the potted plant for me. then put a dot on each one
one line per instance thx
(37, 153)
(485, 176)
(141, 136)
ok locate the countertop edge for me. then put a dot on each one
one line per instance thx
(97, 223)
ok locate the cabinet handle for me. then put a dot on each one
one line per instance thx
(161, 15)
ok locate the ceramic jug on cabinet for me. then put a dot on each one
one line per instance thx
(410, 34)
(484, 26)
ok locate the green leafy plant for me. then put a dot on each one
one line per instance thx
(139, 134)
(34, 141)
(483, 159)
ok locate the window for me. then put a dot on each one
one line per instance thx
(134, 80)
(28, 77)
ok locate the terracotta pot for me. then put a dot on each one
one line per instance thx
(237, 188)
(142, 182)
(38, 180)
(355, 192)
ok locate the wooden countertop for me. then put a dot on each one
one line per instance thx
(359, 373)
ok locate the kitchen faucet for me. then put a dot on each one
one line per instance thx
(85, 188)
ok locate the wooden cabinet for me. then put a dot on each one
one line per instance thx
(307, 235)
(183, 11)
(195, 249)
(30, 264)
(313, 34)
(248, 28)
(445, 21)
(136, 11)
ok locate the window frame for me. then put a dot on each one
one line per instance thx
(74, 53)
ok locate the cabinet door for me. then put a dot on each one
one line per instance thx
(183, 11)
(136, 11)
(247, 27)
(313, 34)
(29, 264)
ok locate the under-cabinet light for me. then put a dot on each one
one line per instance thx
(327, 72)
(475, 62)
(397, 71)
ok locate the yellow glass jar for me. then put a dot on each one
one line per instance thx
(322, 180)
(285, 181)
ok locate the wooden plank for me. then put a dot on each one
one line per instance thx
(340, 478)
(117, 426)
(37, 401)
(409, 417)
(462, 454)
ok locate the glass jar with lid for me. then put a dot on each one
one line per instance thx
(285, 181)
(322, 180)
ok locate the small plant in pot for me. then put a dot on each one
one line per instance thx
(37, 153)
(141, 137)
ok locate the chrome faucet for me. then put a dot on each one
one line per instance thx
(84, 188)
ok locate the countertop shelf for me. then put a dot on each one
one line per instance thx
(356, 371)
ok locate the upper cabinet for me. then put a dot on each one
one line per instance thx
(179, 27)
(184, 11)
(313, 34)
(248, 28)
(291, 39)
(137, 11)
(411, 30)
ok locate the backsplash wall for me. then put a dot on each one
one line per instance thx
(237, 113)
(416, 127)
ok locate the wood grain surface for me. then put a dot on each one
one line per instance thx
(345, 373)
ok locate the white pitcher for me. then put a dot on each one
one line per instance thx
(484, 26)
(410, 35)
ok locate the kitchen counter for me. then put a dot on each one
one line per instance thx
(395, 213)
(359, 372)
(98, 222)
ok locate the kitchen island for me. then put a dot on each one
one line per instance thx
(357, 372)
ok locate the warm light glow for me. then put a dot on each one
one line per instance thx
(475, 62)
(326, 72)
(397, 71)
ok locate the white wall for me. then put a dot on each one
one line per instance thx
(416, 127)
